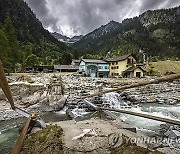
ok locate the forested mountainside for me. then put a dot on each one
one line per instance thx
(157, 32)
(23, 40)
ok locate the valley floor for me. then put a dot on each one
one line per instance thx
(45, 92)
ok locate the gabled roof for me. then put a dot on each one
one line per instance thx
(131, 69)
(94, 61)
(76, 60)
(119, 58)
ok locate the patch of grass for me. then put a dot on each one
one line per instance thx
(162, 67)
(45, 141)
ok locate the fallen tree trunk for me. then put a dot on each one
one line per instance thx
(171, 121)
(143, 83)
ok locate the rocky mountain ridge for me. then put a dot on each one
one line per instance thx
(65, 39)
(155, 31)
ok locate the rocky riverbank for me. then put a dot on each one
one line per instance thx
(48, 92)
(89, 136)
(35, 93)
(163, 93)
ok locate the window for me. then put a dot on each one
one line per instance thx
(100, 67)
(117, 67)
(128, 61)
(106, 67)
(113, 63)
(112, 67)
(116, 63)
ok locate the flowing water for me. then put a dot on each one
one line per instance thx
(150, 127)
(9, 129)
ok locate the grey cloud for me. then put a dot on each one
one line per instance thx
(150, 4)
(74, 17)
(41, 10)
(38, 6)
(158, 4)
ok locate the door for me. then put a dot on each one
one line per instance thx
(138, 74)
(92, 70)
(101, 75)
(93, 73)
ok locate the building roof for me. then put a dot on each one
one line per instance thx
(66, 67)
(119, 58)
(131, 69)
(76, 60)
(46, 67)
(94, 61)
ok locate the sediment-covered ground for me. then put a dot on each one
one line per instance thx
(49, 92)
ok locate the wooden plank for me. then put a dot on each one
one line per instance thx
(19, 142)
(171, 121)
(95, 107)
(5, 87)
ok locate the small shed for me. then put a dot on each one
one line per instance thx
(134, 71)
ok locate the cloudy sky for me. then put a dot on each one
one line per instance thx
(75, 17)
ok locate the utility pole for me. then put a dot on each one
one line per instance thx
(145, 58)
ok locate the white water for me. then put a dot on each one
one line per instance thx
(114, 101)
(144, 124)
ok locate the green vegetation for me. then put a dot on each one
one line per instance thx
(47, 140)
(163, 67)
(31, 60)
(22, 34)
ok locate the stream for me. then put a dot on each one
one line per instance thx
(9, 129)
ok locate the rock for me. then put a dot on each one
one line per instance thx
(174, 134)
(69, 113)
(151, 99)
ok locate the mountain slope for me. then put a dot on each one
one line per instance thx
(60, 37)
(156, 32)
(65, 39)
(31, 36)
